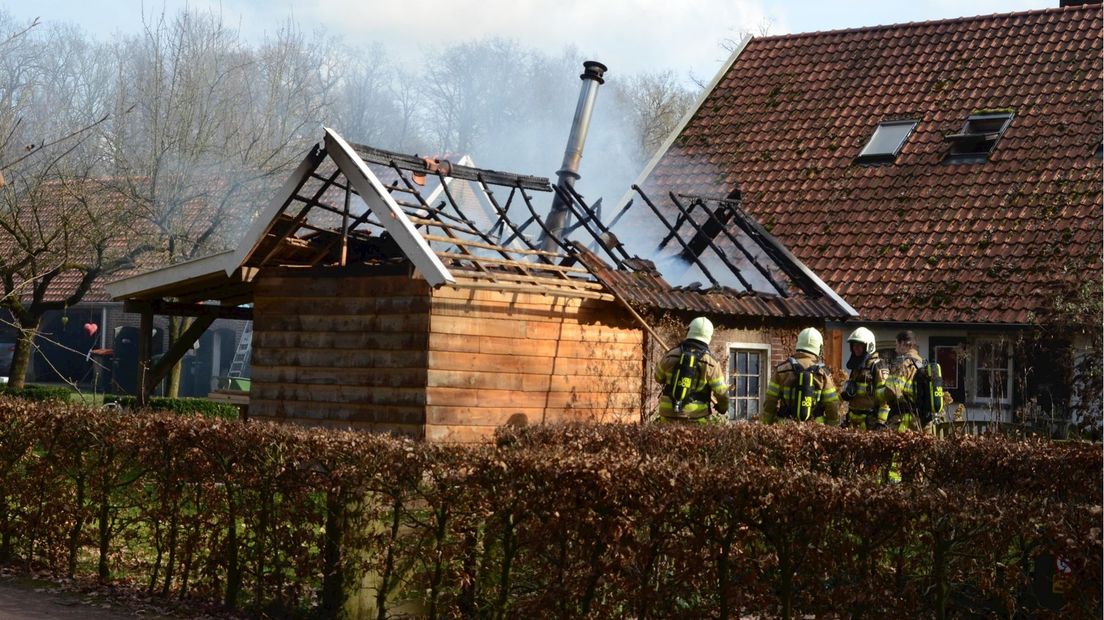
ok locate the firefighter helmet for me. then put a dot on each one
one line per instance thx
(701, 329)
(866, 337)
(810, 340)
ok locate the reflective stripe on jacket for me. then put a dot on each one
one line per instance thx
(900, 386)
(870, 384)
(710, 381)
(782, 392)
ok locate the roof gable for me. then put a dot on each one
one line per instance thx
(919, 239)
(349, 204)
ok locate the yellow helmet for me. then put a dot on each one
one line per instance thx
(866, 337)
(701, 329)
(810, 340)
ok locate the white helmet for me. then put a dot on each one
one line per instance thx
(864, 336)
(810, 340)
(701, 329)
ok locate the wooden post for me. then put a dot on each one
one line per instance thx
(145, 342)
(176, 352)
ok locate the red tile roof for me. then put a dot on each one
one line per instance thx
(920, 239)
(112, 218)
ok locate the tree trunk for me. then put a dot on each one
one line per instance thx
(24, 346)
(177, 326)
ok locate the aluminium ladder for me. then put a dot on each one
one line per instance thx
(241, 355)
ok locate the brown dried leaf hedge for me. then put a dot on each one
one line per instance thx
(615, 521)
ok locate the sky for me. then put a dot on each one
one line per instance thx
(632, 36)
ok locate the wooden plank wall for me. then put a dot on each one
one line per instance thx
(497, 358)
(341, 350)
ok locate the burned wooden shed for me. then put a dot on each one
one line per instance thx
(402, 294)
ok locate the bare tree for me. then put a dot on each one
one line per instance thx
(473, 89)
(655, 102)
(57, 231)
(214, 121)
(374, 103)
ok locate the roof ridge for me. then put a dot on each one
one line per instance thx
(931, 22)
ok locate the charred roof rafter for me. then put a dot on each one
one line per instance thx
(734, 207)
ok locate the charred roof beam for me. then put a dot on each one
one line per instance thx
(503, 217)
(548, 233)
(588, 215)
(460, 212)
(712, 245)
(418, 165)
(438, 213)
(568, 198)
(731, 206)
(782, 257)
(663, 220)
(301, 217)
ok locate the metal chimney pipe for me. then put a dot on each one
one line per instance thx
(592, 78)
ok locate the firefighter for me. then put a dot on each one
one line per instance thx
(691, 376)
(801, 388)
(866, 383)
(902, 393)
(901, 387)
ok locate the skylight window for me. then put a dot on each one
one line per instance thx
(886, 142)
(978, 137)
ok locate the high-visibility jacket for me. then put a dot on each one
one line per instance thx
(901, 391)
(870, 389)
(900, 386)
(783, 392)
(710, 381)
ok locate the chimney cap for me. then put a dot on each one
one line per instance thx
(593, 70)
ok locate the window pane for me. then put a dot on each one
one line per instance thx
(753, 363)
(986, 124)
(742, 363)
(1000, 354)
(992, 355)
(753, 407)
(753, 386)
(742, 386)
(984, 355)
(888, 139)
(984, 386)
(1000, 384)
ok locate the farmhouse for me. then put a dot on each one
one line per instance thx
(53, 234)
(943, 177)
(380, 302)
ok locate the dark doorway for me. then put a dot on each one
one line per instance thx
(950, 354)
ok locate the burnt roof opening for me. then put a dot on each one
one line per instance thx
(709, 229)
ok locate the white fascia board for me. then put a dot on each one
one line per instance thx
(833, 295)
(662, 150)
(268, 214)
(376, 196)
(181, 272)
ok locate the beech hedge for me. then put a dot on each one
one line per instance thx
(602, 521)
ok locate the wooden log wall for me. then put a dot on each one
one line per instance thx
(498, 358)
(341, 349)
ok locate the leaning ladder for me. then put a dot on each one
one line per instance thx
(245, 347)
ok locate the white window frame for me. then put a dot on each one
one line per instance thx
(764, 372)
(977, 398)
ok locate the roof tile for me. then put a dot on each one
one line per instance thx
(791, 114)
